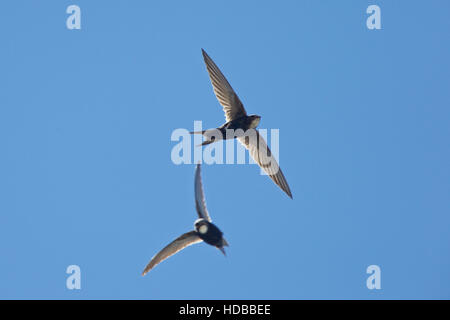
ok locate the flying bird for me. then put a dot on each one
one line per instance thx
(242, 126)
(204, 230)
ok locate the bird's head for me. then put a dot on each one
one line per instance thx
(201, 226)
(254, 120)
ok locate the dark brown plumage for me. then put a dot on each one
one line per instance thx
(205, 230)
(237, 118)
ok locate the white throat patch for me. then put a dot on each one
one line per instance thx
(203, 229)
(255, 123)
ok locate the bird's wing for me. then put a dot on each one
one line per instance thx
(229, 100)
(200, 202)
(178, 244)
(261, 153)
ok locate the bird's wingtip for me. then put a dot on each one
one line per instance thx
(146, 270)
(288, 192)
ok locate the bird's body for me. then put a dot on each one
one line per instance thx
(244, 123)
(204, 230)
(210, 233)
(230, 130)
(241, 126)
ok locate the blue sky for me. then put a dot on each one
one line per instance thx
(86, 176)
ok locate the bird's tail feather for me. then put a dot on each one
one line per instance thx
(222, 250)
(210, 136)
(225, 243)
(205, 143)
